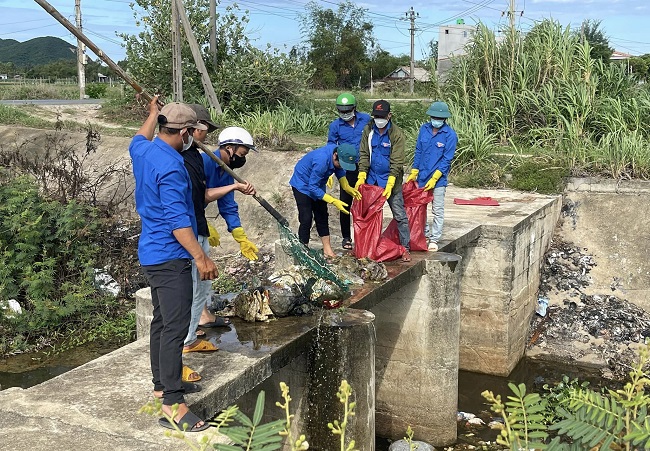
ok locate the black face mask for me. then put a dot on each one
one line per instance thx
(236, 161)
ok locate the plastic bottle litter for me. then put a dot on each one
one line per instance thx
(542, 305)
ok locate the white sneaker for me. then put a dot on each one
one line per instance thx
(433, 246)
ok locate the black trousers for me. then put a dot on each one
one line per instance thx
(352, 177)
(171, 295)
(309, 208)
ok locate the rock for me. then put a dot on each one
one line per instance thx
(402, 445)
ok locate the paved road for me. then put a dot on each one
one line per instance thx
(52, 102)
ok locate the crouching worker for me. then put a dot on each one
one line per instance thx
(308, 183)
(167, 245)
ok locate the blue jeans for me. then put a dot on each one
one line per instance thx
(396, 204)
(201, 292)
(434, 232)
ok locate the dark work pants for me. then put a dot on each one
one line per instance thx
(345, 197)
(171, 295)
(309, 208)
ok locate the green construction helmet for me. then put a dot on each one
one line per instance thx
(439, 109)
(345, 102)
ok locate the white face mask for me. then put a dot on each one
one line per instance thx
(381, 122)
(347, 116)
(188, 144)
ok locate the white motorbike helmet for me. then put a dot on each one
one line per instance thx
(236, 135)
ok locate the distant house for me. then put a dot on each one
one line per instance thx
(619, 56)
(101, 78)
(404, 73)
(4, 76)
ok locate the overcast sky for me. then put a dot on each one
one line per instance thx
(626, 22)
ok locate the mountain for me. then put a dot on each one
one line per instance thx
(35, 51)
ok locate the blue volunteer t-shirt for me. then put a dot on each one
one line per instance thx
(216, 177)
(163, 199)
(380, 147)
(341, 132)
(434, 152)
(312, 171)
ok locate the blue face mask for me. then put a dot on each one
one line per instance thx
(437, 123)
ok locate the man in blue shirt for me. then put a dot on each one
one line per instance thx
(167, 246)
(308, 183)
(434, 150)
(381, 163)
(347, 129)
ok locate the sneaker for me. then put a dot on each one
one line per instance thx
(433, 246)
(406, 256)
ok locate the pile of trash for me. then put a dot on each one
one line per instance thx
(576, 323)
(291, 291)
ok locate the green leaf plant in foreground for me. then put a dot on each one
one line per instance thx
(581, 419)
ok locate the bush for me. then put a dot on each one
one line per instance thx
(96, 90)
(47, 256)
(540, 177)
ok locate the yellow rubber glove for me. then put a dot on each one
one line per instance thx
(345, 186)
(213, 238)
(413, 175)
(433, 180)
(248, 249)
(336, 202)
(330, 182)
(360, 180)
(389, 186)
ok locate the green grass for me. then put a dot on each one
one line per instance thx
(13, 116)
(18, 91)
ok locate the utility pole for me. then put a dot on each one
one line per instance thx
(511, 14)
(412, 15)
(213, 31)
(81, 55)
(177, 68)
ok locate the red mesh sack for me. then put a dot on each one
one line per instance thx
(415, 203)
(368, 218)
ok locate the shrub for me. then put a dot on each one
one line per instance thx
(47, 256)
(96, 90)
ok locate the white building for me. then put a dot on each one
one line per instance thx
(452, 40)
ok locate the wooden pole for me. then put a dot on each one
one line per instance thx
(177, 67)
(198, 58)
(213, 31)
(81, 56)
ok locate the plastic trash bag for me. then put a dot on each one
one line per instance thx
(368, 217)
(415, 202)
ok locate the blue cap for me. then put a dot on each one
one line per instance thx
(348, 156)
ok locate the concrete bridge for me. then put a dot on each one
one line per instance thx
(465, 307)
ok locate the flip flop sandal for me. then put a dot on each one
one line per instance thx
(200, 333)
(218, 322)
(347, 244)
(187, 375)
(186, 424)
(202, 346)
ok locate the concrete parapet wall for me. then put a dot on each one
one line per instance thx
(417, 355)
(498, 289)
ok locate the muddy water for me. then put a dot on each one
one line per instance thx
(27, 370)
